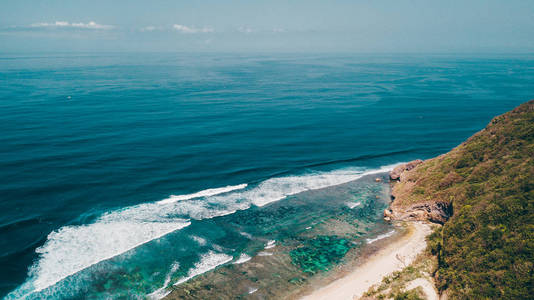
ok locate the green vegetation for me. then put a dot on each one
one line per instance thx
(394, 285)
(486, 249)
(409, 295)
(320, 253)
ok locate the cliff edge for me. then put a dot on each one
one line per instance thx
(482, 192)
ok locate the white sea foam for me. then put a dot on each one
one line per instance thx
(381, 236)
(208, 261)
(243, 258)
(74, 248)
(270, 244)
(204, 193)
(275, 189)
(352, 205)
(245, 234)
(217, 248)
(199, 240)
(163, 291)
(264, 253)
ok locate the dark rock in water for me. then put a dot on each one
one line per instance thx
(395, 174)
(388, 214)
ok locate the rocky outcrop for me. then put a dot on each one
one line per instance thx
(488, 180)
(395, 174)
(436, 212)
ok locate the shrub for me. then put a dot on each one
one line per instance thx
(486, 249)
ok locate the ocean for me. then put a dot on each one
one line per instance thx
(125, 174)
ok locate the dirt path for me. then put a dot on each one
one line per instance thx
(426, 285)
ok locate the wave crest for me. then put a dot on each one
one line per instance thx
(74, 248)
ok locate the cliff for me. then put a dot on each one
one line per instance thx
(483, 193)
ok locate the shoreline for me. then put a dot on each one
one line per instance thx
(305, 218)
(393, 257)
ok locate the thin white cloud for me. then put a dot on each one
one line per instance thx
(64, 24)
(250, 30)
(187, 29)
(150, 28)
(245, 29)
(192, 29)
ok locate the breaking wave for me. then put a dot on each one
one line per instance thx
(204, 193)
(74, 248)
(163, 291)
(208, 261)
(381, 236)
(243, 258)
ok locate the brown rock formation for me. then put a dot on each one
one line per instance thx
(433, 211)
(396, 173)
(437, 212)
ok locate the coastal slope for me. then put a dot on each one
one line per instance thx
(483, 193)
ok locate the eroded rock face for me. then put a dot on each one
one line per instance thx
(437, 212)
(395, 174)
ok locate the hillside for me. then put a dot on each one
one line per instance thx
(483, 193)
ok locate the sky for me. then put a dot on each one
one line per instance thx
(361, 26)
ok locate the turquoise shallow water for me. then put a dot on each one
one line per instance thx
(93, 146)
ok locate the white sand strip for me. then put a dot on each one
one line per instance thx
(393, 257)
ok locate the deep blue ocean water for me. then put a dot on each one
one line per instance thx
(90, 144)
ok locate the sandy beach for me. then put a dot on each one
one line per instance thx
(392, 258)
